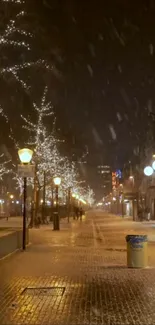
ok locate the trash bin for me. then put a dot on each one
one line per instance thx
(137, 256)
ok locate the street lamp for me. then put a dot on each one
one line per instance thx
(153, 165)
(25, 156)
(148, 170)
(57, 181)
(56, 221)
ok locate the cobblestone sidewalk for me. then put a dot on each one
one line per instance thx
(70, 277)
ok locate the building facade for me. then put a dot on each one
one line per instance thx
(105, 179)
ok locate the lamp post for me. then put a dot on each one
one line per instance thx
(150, 171)
(44, 198)
(25, 156)
(69, 203)
(51, 218)
(56, 223)
(73, 204)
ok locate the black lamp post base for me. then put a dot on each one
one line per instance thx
(56, 224)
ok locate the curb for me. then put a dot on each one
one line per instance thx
(14, 252)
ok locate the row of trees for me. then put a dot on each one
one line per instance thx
(19, 59)
(47, 157)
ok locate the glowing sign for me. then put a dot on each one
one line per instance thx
(118, 173)
(114, 183)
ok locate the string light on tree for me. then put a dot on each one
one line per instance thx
(18, 40)
(4, 166)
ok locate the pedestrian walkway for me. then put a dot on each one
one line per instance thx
(17, 222)
(73, 277)
(113, 230)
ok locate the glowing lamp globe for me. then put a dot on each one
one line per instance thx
(25, 155)
(153, 165)
(148, 171)
(57, 181)
(73, 195)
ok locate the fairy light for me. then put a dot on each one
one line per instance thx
(14, 1)
(89, 197)
(3, 166)
(13, 36)
(46, 155)
(11, 29)
(11, 135)
(14, 70)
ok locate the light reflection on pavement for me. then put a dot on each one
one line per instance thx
(88, 260)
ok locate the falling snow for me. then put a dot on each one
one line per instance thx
(92, 49)
(119, 117)
(74, 20)
(110, 50)
(103, 92)
(90, 70)
(100, 37)
(126, 117)
(113, 133)
(136, 151)
(125, 97)
(96, 137)
(119, 68)
(151, 49)
(149, 105)
(118, 35)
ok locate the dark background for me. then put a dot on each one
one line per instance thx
(103, 78)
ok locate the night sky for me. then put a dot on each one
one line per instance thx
(102, 86)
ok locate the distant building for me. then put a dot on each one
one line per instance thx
(105, 178)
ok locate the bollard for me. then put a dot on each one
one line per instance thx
(137, 256)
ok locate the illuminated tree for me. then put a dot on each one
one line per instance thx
(4, 168)
(16, 42)
(46, 156)
(89, 196)
(69, 174)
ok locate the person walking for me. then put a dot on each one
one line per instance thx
(81, 213)
(77, 213)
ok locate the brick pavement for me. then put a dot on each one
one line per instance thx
(85, 280)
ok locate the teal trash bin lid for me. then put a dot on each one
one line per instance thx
(136, 239)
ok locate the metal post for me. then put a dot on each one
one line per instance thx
(33, 211)
(51, 218)
(69, 203)
(133, 210)
(56, 213)
(24, 214)
(44, 197)
(122, 205)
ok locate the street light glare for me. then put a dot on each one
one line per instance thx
(57, 181)
(25, 155)
(148, 171)
(153, 165)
